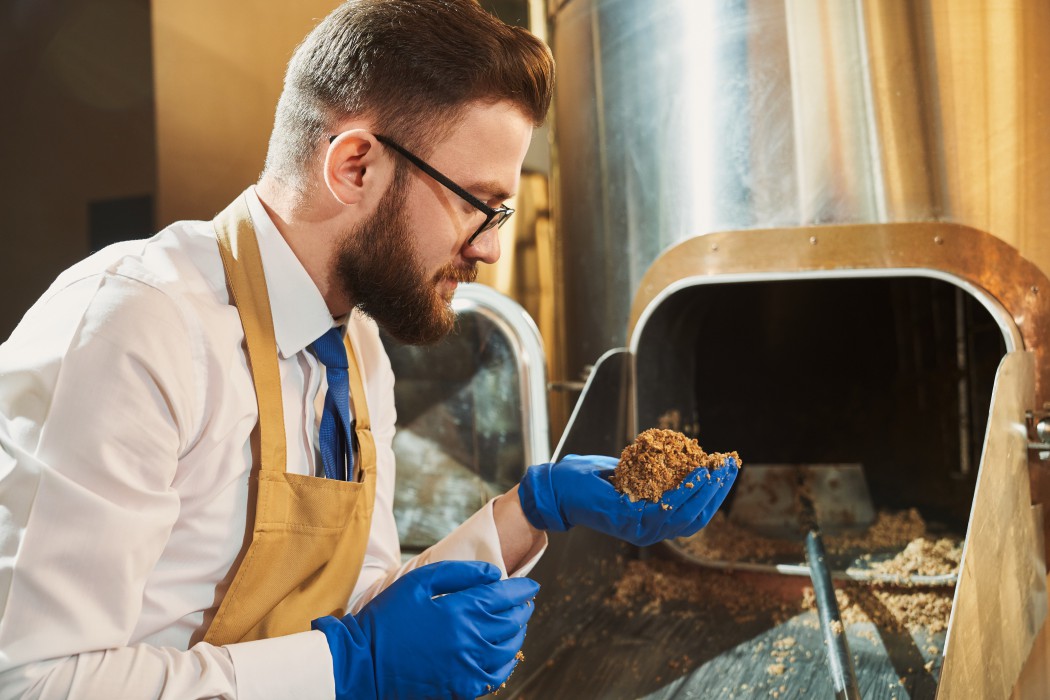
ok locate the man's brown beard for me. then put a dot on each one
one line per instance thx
(377, 270)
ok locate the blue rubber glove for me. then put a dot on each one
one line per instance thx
(445, 630)
(577, 491)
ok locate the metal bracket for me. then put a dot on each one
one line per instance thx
(1038, 429)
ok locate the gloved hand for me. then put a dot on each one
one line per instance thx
(577, 491)
(445, 630)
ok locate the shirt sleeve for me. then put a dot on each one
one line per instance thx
(98, 399)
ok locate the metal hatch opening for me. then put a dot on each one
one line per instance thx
(898, 369)
(893, 373)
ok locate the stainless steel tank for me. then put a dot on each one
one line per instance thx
(680, 118)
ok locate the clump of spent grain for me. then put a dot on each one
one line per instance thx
(924, 557)
(890, 607)
(659, 461)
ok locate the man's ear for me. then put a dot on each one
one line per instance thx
(353, 169)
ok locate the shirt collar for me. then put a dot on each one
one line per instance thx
(300, 314)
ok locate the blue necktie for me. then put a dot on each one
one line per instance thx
(336, 433)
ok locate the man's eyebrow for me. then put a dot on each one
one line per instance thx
(490, 188)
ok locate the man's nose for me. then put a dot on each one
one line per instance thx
(485, 247)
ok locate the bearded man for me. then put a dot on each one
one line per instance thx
(196, 474)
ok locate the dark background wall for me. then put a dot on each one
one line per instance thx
(76, 137)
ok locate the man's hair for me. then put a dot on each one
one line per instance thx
(411, 67)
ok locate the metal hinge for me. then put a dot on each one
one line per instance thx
(1038, 425)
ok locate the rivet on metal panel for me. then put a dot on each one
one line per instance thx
(812, 240)
(938, 240)
(714, 247)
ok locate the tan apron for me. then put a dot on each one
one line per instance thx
(309, 535)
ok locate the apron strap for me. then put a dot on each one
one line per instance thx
(357, 387)
(243, 265)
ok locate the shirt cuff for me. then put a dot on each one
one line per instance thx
(293, 666)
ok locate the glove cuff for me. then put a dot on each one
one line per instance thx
(536, 493)
(352, 666)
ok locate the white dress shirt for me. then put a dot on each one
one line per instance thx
(126, 409)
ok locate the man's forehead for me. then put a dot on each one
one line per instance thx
(487, 147)
(488, 127)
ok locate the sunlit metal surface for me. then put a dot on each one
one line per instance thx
(681, 118)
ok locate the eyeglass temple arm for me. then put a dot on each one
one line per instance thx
(425, 167)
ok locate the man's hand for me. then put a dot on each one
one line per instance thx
(577, 491)
(446, 630)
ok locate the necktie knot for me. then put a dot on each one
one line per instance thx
(330, 350)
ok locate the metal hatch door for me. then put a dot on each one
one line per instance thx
(1000, 600)
(471, 415)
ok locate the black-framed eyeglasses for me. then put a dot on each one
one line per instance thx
(494, 218)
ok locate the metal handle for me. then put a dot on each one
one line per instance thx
(840, 662)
